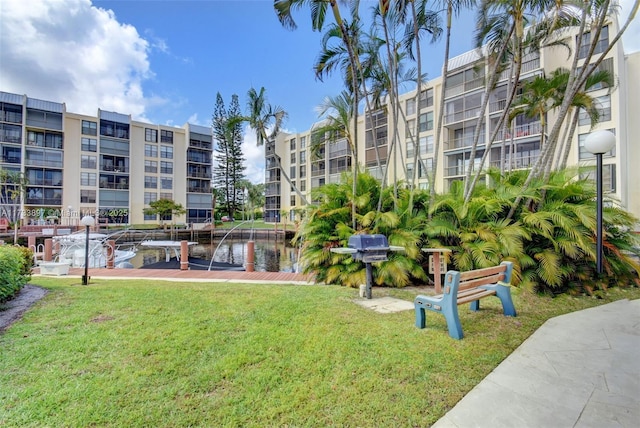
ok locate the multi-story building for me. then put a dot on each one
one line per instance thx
(107, 164)
(517, 146)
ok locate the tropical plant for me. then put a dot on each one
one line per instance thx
(228, 171)
(15, 264)
(13, 187)
(165, 208)
(551, 239)
(327, 226)
(266, 120)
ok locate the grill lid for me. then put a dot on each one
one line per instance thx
(365, 243)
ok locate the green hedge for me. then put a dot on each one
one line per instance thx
(15, 270)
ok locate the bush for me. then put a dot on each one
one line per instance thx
(15, 270)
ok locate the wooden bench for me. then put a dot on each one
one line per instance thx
(467, 287)
(4, 224)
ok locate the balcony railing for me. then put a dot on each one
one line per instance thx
(462, 142)
(497, 106)
(520, 131)
(461, 115)
(527, 67)
(38, 162)
(520, 162)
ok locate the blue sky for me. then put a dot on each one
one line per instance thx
(164, 61)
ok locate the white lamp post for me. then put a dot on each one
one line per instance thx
(87, 221)
(598, 143)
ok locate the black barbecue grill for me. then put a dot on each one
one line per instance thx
(368, 249)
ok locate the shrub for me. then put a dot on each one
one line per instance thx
(15, 270)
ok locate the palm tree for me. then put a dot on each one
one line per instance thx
(338, 113)
(348, 33)
(262, 117)
(453, 8)
(584, 101)
(421, 20)
(593, 17)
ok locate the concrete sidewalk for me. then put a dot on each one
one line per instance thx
(578, 370)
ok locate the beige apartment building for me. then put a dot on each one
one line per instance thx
(517, 147)
(107, 164)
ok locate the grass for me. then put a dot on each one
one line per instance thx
(154, 353)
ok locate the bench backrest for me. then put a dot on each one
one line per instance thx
(478, 277)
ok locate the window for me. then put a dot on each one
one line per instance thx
(293, 200)
(410, 150)
(426, 98)
(292, 172)
(166, 183)
(608, 177)
(166, 152)
(45, 139)
(426, 145)
(13, 154)
(150, 166)
(151, 135)
(303, 185)
(410, 128)
(150, 151)
(166, 136)
(89, 128)
(87, 196)
(114, 147)
(605, 65)
(603, 104)
(585, 154)
(303, 142)
(411, 106)
(150, 197)
(11, 133)
(88, 161)
(112, 181)
(166, 167)
(10, 113)
(110, 128)
(303, 157)
(292, 144)
(87, 178)
(602, 44)
(164, 195)
(293, 157)
(89, 144)
(426, 121)
(150, 182)
(303, 171)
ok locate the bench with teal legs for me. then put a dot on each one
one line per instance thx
(467, 287)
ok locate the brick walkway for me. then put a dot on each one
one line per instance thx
(194, 275)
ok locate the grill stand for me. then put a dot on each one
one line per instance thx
(369, 284)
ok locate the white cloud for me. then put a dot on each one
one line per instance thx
(254, 156)
(631, 37)
(73, 52)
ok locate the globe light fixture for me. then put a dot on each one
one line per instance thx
(598, 143)
(87, 221)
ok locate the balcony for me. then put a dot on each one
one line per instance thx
(520, 131)
(458, 116)
(520, 162)
(497, 106)
(463, 142)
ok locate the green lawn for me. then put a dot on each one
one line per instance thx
(154, 353)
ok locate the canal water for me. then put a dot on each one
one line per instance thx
(270, 255)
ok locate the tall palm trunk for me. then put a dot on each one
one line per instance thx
(445, 71)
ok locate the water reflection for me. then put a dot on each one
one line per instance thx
(270, 256)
